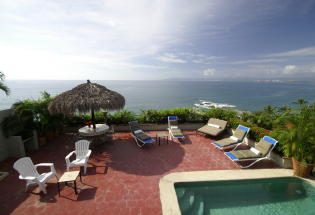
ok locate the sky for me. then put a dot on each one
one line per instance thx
(157, 39)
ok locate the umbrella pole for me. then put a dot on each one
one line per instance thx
(93, 119)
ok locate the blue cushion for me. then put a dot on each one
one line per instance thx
(148, 141)
(133, 122)
(217, 145)
(243, 128)
(178, 136)
(172, 118)
(270, 140)
(229, 154)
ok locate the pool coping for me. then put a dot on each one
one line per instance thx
(167, 191)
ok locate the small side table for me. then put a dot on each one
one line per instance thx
(69, 177)
(159, 136)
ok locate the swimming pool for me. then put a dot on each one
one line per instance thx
(284, 195)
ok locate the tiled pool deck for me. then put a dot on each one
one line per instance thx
(121, 178)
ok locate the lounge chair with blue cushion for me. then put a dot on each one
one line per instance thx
(235, 140)
(140, 137)
(260, 152)
(173, 129)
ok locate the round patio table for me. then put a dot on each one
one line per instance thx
(87, 131)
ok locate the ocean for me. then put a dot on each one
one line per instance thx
(247, 96)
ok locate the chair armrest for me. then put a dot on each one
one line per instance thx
(89, 153)
(27, 177)
(51, 165)
(43, 164)
(69, 155)
(67, 158)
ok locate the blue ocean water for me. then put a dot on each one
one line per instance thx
(139, 95)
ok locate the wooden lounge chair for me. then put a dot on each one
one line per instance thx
(173, 129)
(260, 152)
(140, 137)
(214, 127)
(235, 140)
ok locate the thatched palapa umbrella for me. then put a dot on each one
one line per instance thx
(85, 98)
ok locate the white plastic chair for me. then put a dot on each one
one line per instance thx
(28, 171)
(82, 154)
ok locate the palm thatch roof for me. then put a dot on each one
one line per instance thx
(85, 98)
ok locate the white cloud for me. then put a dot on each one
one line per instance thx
(313, 69)
(101, 33)
(309, 51)
(171, 58)
(268, 60)
(206, 59)
(288, 69)
(209, 72)
(118, 39)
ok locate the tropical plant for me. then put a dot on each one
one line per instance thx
(121, 117)
(32, 114)
(296, 133)
(3, 87)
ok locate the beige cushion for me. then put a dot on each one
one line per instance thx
(240, 134)
(234, 138)
(245, 154)
(210, 130)
(177, 132)
(219, 122)
(226, 142)
(214, 125)
(256, 151)
(263, 146)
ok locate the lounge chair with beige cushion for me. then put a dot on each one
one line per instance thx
(140, 137)
(260, 152)
(173, 129)
(235, 140)
(214, 127)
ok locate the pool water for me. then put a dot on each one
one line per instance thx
(274, 196)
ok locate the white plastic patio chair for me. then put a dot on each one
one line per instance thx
(82, 153)
(28, 171)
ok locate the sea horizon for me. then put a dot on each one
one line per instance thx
(163, 94)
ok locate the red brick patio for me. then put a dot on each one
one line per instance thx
(121, 178)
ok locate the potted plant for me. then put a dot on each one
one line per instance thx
(296, 134)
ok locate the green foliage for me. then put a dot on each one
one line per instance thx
(160, 116)
(32, 114)
(121, 117)
(256, 133)
(220, 113)
(266, 118)
(296, 133)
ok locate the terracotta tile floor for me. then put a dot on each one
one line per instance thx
(121, 178)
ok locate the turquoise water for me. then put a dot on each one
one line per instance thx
(139, 95)
(277, 196)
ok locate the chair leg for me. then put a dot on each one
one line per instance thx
(85, 166)
(243, 167)
(43, 188)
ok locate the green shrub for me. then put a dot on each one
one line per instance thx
(121, 117)
(160, 116)
(256, 133)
